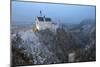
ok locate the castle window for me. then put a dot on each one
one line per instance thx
(40, 19)
(48, 19)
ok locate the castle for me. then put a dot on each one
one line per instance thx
(42, 23)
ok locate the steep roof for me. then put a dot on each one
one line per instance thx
(47, 19)
(40, 18)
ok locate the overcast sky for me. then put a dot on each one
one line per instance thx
(25, 12)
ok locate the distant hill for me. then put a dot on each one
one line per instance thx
(85, 24)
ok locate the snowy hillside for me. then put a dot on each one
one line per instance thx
(49, 47)
(30, 42)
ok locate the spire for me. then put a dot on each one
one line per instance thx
(40, 13)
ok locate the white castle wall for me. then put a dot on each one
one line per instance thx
(45, 25)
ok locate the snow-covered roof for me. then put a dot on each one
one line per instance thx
(47, 19)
